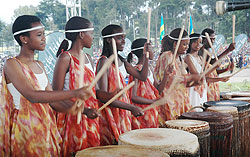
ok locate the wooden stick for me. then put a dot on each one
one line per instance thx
(233, 33)
(81, 79)
(117, 95)
(239, 70)
(96, 79)
(210, 68)
(204, 58)
(211, 45)
(159, 102)
(149, 21)
(102, 71)
(116, 63)
(178, 44)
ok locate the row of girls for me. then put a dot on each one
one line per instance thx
(31, 127)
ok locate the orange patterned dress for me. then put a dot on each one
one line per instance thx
(86, 134)
(114, 121)
(147, 90)
(30, 130)
(213, 89)
(179, 97)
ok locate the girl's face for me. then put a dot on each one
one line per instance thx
(88, 38)
(36, 39)
(183, 46)
(196, 45)
(120, 41)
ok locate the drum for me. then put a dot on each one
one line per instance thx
(197, 127)
(229, 95)
(171, 141)
(243, 108)
(119, 151)
(235, 134)
(221, 125)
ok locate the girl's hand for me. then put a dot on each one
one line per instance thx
(136, 111)
(231, 47)
(169, 70)
(91, 113)
(225, 79)
(83, 93)
(148, 48)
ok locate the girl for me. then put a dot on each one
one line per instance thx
(66, 77)
(165, 73)
(143, 92)
(213, 90)
(116, 118)
(197, 94)
(28, 126)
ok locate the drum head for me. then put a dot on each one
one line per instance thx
(223, 109)
(187, 124)
(208, 116)
(119, 151)
(241, 105)
(164, 139)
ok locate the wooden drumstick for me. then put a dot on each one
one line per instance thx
(102, 71)
(117, 95)
(148, 37)
(233, 33)
(96, 79)
(177, 45)
(159, 102)
(116, 62)
(149, 21)
(239, 70)
(81, 79)
(211, 45)
(212, 67)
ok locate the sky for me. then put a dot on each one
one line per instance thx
(7, 8)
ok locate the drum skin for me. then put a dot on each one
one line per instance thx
(171, 141)
(119, 151)
(197, 127)
(221, 125)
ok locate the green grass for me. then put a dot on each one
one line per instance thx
(237, 86)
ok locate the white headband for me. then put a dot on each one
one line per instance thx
(27, 30)
(177, 38)
(79, 30)
(137, 49)
(112, 35)
(195, 37)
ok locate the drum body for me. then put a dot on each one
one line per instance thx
(243, 108)
(221, 125)
(171, 141)
(235, 134)
(197, 127)
(119, 151)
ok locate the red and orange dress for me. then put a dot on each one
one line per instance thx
(114, 121)
(86, 134)
(213, 89)
(147, 90)
(179, 96)
(29, 130)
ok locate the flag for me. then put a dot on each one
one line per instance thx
(191, 29)
(162, 33)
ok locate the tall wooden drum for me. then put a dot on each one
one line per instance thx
(197, 127)
(221, 125)
(243, 108)
(171, 141)
(235, 134)
(119, 151)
